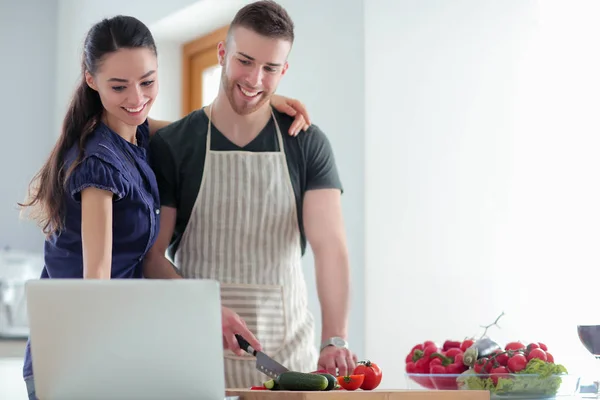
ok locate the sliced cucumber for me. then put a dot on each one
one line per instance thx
(271, 385)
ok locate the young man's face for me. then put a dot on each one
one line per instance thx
(252, 67)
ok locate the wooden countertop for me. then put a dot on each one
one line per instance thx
(246, 394)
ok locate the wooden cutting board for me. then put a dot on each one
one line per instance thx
(247, 394)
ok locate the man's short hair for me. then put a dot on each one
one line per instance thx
(267, 18)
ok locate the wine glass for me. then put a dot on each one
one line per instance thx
(589, 335)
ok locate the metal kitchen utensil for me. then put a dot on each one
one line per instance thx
(264, 363)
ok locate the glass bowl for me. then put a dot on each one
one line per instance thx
(501, 386)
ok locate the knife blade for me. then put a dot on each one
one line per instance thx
(264, 363)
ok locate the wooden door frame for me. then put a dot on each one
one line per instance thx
(190, 49)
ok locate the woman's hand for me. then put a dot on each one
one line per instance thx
(293, 108)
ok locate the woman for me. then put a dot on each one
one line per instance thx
(96, 197)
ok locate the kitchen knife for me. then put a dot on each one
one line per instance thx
(264, 363)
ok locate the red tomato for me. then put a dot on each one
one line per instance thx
(501, 358)
(372, 374)
(350, 382)
(514, 346)
(543, 346)
(480, 364)
(517, 363)
(466, 344)
(537, 353)
(532, 346)
(499, 372)
(549, 357)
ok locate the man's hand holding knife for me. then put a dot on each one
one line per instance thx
(232, 325)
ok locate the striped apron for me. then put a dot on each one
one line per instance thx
(243, 231)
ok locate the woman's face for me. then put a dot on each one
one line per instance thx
(127, 82)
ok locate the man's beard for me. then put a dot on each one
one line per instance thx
(231, 87)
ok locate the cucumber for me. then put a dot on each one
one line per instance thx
(300, 381)
(331, 379)
(271, 385)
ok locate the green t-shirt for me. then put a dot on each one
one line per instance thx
(177, 154)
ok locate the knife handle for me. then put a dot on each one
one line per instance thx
(245, 345)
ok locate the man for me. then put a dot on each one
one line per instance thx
(240, 200)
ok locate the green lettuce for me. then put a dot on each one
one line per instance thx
(539, 378)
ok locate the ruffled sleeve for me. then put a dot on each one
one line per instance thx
(94, 172)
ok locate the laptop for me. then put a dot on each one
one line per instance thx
(126, 339)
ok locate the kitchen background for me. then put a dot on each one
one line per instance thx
(465, 132)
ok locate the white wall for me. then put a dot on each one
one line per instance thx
(167, 105)
(28, 66)
(329, 79)
(341, 118)
(482, 160)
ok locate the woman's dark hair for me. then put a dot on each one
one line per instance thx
(47, 188)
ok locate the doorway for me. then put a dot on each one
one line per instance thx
(201, 70)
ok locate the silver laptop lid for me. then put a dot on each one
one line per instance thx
(126, 339)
